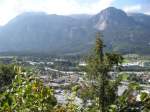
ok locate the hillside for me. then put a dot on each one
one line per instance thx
(37, 32)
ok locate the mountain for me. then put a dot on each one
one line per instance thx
(81, 16)
(122, 32)
(141, 18)
(110, 18)
(37, 32)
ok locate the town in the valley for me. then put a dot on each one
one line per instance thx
(62, 73)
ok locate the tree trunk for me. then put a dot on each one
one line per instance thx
(102, 94)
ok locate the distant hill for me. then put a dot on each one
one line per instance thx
(37, 32)
(141, 18)
(81, 16)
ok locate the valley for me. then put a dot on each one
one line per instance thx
(74, 56)
(63, 73)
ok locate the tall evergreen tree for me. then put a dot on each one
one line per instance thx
(99, 64)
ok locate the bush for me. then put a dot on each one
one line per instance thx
(27, 94)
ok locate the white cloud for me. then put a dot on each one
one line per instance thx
(10, 8)
(102, 4)
(148, 13)
(134, 8)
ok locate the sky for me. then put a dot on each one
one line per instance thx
(11, 8)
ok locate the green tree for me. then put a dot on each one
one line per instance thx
(127, 101)
(7, 74)
(27, 94)
(99, 64)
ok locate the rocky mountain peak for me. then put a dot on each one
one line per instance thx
(111, 17)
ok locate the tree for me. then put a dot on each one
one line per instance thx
(7, 74)
(27, 94)
(99, 64)
(128, 102)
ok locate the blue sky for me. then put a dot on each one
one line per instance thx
(11, 8)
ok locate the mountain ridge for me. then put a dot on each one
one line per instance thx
(40, 32)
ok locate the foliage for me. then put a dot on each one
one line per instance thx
(145, 99)
(71, 105)
(99, 64)
(27, 94)
(7, 74)
(128, 101)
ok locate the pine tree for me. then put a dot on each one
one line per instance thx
(99, 64)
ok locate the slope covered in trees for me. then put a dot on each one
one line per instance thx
(36, 32)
